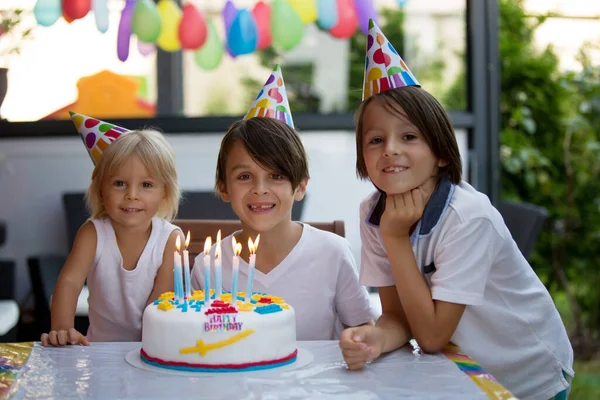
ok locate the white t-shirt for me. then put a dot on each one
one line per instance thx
(117, 296)
(318, 278)
(466, 254)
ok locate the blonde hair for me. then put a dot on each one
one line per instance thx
(155, 153)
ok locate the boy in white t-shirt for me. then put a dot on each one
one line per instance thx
(261, 170)
(445, 263)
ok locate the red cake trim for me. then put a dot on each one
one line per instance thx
(230, 366)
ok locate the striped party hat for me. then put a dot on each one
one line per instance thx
(272, 100)
(384, 68)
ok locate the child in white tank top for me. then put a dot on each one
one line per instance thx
(125, 250)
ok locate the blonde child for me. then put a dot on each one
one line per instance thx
(261, 170)
(445, 263)
(125, 249)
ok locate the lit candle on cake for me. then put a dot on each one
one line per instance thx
(252, 263)
(186, 268)
(218, 273)
(237, 249)
(207, 245)
(178, 278)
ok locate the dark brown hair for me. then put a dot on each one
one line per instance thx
(271, 143)
(427, 115)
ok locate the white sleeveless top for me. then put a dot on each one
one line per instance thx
(117, 296)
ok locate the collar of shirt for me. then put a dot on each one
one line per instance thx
(434, 210)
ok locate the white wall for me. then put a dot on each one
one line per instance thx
(35, 172)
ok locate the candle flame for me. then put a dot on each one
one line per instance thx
(178, 243)
(207, 245)
(218, 248)
(187, 240)
(238, 249)
(252, 246)
(233, 243)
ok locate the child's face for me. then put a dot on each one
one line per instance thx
(132, 196)
(262, 199)
(396, 154)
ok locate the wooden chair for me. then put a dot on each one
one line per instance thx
(200, 229)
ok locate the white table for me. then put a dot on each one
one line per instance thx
(9, 315)
(100, 371)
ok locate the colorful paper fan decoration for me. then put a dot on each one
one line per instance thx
(96, 135)
(272, 100)
(384, 68)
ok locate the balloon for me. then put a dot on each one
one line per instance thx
(124, 33)
(170, 15)
(229, 12)
(192, 29)
(243, 34)
(262, 17)
(145, 22)
(286, 26)
(347, 22)
(365, 10)
(209, 56)
(47, 12)
(145, 48)
(100, 8)
(306, 9)
(327, 13)
(76, 9)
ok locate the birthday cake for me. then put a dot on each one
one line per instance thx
(188, 335)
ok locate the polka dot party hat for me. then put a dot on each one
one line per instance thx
(384, 68)
(272, 100)
(96, 135)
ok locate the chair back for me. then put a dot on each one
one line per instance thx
(524, 221)
(200, 229)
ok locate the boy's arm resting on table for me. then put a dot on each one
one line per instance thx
(432, 322)
(164, 277)
(392, 324)
(68, 287)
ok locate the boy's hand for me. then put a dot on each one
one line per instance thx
(402, 211)
(360, 345)
(64, 337)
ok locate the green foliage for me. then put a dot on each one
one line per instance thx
(550, 156)
(12, 31)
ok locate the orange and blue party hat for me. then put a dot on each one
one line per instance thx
(272, 100)
(384, 68)
(96, 135)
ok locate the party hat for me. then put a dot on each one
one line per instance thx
(96, 135)
(272, 100)
(384, 68)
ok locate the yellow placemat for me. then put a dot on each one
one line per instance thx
(12, 357)
(482, 379)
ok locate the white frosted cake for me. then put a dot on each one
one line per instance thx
(187, 335)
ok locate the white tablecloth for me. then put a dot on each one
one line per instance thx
(9, 315)
(100, 371)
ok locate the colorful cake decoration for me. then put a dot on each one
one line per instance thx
(384, 68)
(272, 100)
(96, 135)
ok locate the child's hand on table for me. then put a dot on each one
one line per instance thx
(64, 337)
(360, 345)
